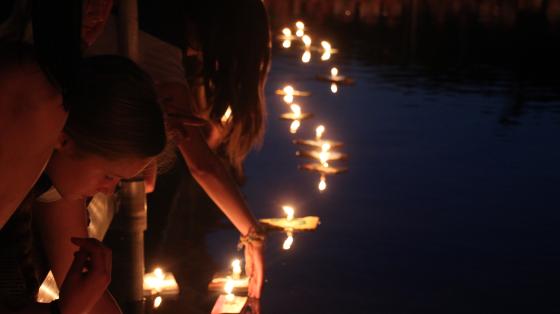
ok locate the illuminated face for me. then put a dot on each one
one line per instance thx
(77, 175)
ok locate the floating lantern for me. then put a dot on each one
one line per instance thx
(335, 77)
(306, 56)
(296, 113)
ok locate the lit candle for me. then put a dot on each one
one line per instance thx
(306, 41)
(286, 43)
(287, 32)
(319, 132)
(294, 126)
(236, 268)
(300, 28)
(322, 183)
(334, 88)
(289, 241)
(296, 109)
(228, 288)
(324, 155)
(306, 57)
(325, 56)
(334, 73)
(326, 45)
(289, 210)
(288, 98)
(288, 90)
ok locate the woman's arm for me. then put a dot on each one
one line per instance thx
(57, 223)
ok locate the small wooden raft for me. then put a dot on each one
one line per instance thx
(308, 223)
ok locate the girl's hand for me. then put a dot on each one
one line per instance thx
(88, 277)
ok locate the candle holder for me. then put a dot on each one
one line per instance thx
(334, 77)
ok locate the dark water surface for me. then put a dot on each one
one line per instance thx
(451, 203)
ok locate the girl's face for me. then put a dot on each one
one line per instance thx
(77, 175)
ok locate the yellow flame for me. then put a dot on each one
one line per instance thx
(287, 32)
(324, 157)
(288, 98)
(306, 57)
(334, 72)
(299, 33)
(286, 43)
(326, 45)
(289, 210)
(306, 40)
(294, 126)
(288, 242)
(325, 147)
(326, 56)
(296, 109)
(288, 89)
(319, 131)
(236, 267)
(300, 25)
(229, 285)
(322, 184)
(334, 88)
(157, 301)
(227, 115)
(158, 272)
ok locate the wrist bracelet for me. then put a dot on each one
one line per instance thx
(255, 235)
(54, 307)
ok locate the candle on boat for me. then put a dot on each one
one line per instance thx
(318, 141)
(335, 77)
(296, 113)
(236, 269)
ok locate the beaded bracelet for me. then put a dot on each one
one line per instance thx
(255, 235)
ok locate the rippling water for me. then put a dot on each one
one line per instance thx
(451, 202)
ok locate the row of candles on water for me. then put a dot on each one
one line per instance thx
(159, 283)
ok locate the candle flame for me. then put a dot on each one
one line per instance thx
(334, 72)
(322, 184)
(324, 157)
(306, 40)
(157, 301)
(326, 55)
(289, 210)
(300, 25)
(287, 32)
(326, 45)
(325, 147)
(229, 285)
(158, 272)
(227, 115)
(288, 89)
(288, 242)
(299, 33)
(296, 109)
(236, 267)
(294, 126)
(306, 57)
(286, 43)
(319, 131)
(289, 98)
(334, 88)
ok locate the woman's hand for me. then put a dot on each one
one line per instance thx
(254, 267)
(88, 277)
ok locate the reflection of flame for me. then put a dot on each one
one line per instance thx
(288, 98)
(326, 45)
(300, 25)
(294, 126)
(299, 33)
(227, 115)
(324, 157)
(289, 210)
(319, 131)
(306, 40)
(306, 57)
(334, 88)
(287, 32)
(229, 285)
(157, 301)
(286, 43)
(325, 147)
(288, 242)
(296, 109)
(326, 55)
(159, 273)
(334, 72)
(236, 268)
(322, 184)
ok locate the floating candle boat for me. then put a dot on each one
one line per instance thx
(323, 156)
(334, 77)
(159, 282)
(229, 302)
(323, 169)
(296, 113)
(318, 142)
(289, 90)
